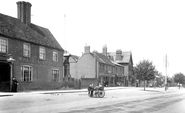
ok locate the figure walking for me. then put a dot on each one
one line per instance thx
(15, 83)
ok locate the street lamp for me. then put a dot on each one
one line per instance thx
(10, 59)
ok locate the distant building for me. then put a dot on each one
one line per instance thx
(70, 66)
(28, 52)
(94, 67)
(124, 59)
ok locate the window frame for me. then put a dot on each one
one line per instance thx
(54, 58)
(30, 69)
(6, 50)
(29, 50)
(53, 77)
(44, 53)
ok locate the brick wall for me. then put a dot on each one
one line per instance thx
(42, 69)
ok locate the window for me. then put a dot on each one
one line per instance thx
(55, 56)
(42, 53)
(3, 45)
(55, 75)
(26, 73)
(26, 50)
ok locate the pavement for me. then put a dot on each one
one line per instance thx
(4, 94)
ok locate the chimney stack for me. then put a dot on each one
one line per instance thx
(24, 12)
(87, 49)
(119, 56)
(105, 50)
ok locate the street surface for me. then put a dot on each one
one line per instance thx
(116, 100)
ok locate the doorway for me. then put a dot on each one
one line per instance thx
(4, 77)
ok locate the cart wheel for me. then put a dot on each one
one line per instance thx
(101, 93)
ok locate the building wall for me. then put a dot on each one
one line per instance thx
(86, 66)
(73, 68)
(126, 70)
(85, 82)
(120, 71)
(42, 69)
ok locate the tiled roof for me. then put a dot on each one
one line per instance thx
(102, 58)
(72, 56)
(14, 28)
(127, 56)
(75, 57)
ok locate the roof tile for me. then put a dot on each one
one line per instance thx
(14, 28)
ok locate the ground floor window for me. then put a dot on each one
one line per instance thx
(55, 75)
(26, 73)
(112, 80)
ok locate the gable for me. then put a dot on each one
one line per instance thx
(126, 57)
(86, 57)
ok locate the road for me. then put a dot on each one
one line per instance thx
(120, 100)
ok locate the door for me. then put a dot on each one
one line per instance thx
(4, 77)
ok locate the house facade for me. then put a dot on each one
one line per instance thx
(28, 52)
(124, 59)
(94, 67)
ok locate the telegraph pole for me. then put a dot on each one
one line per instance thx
(65, 31)
(166, 62)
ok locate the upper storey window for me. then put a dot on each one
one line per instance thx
(26, 50)
(3, 45)
(42, 53)
(55, 56)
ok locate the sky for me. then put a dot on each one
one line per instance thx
(150, 29)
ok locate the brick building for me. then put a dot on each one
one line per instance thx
(124, 59)
(28, 52)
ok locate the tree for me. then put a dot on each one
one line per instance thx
(145, 71)
(179, 78)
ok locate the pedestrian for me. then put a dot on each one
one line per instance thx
(179, 85)
(91, 89)
(15, 83)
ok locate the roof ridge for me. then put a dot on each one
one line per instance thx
(99, 57)
(14, 28)
(105, 59)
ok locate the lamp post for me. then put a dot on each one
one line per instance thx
(10, 60)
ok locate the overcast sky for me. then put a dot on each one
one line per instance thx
(149, 28)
